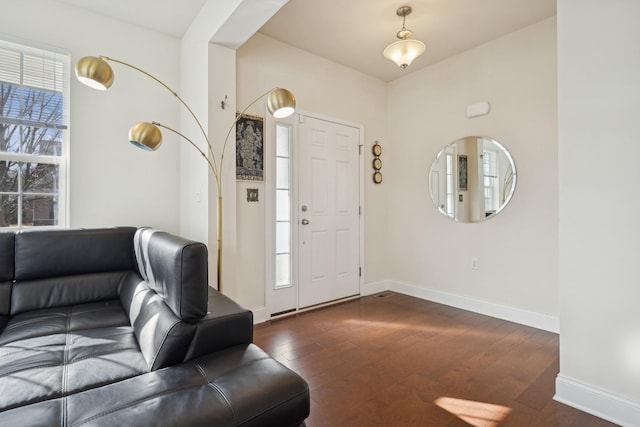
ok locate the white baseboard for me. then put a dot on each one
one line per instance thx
(374, 288)
(524, 317)
(259, 315)
(597, 402)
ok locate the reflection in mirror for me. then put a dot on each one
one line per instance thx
(472, 179)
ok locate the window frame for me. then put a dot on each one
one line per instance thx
(62, 161)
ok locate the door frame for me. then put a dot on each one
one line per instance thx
(269, 161)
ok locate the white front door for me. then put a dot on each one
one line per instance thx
(328, 211)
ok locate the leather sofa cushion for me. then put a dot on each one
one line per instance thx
(6, 271)
(53, 253)
(63, 291)
(5, 298)
(227, 324)
(163, 338)
(57, 352)
(240, 386)
(176, 269)
(6, 255)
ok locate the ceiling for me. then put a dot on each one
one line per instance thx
(171, 17)
(355, 32)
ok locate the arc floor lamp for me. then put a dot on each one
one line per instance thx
(95, 72)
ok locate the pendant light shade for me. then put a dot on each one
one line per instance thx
(145, 135)
(405, 50)
(281, 103)
(94, 72)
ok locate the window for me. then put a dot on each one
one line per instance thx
(283, 206)
(490, 184)
(34, 132)
(450, 187)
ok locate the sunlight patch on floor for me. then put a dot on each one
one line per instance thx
(478, 414)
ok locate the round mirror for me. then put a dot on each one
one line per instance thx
(472, 179)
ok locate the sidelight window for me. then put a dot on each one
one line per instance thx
(283, 206)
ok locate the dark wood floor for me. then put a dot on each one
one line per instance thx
(400, 361)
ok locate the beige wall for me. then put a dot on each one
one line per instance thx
(208, 75)
(111, 181)
(517, 249)
(598, 110)
(406, 240)
(321, 87)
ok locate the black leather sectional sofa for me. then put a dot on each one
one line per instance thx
(117, 327)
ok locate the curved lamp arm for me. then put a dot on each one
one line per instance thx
(97, 73)
(89, 68)
(202, 153)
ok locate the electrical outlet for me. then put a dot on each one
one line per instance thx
(475, 264)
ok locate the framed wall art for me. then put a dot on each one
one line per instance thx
(462, 172)
(250, 148)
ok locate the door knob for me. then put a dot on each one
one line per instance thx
(305, 222)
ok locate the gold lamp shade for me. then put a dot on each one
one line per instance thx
(281, 103)
(145, 135)
(94, 72)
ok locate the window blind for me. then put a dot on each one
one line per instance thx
(33, 84)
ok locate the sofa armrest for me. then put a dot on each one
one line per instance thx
(174, 268)
(225, 325)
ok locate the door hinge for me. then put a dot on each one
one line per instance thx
(360, 271)
(360, 149)
(300, 119)
(360, 210)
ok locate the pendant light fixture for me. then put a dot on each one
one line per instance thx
(405, 50)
